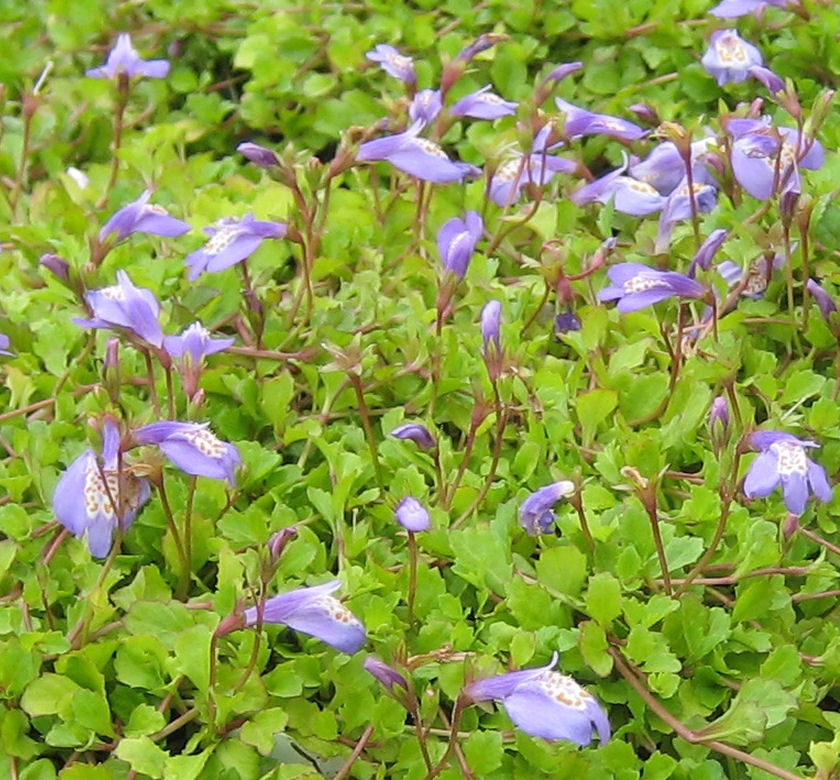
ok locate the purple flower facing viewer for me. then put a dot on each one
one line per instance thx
(427, 104)
(417, 156)
(535, 513)
(412, 515)
(386, 674)
(194, 343)
(457, 240)
(546, 704)
(483, 104)
(124, 59)
(86, 493)
(581, 122)
(729, 58)
(393, 63)
(783, 459)
(636, 286)
(124, 305)
(823, 299)
(418, 433)
(232, 241)
(315, 612)
(678, 207)
(142, 217)
(193, 448)
(732, 8)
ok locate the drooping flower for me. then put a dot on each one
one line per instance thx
(412, 515)
(259, 155)
(5, 343)
(457, 240)
(782, 459)
(393, 63)
(418, 433)
(425, 106)
(679, 204)
(535, 168)
(192, 447)
(125, 305)
(705, 255)
(386, 674)
(729, 58)
(546, 704)
(823, 299)
(232, 241)
(636, 286)
(124, 59)
(629, 195)
(535, 513)
(580, 122)
(85, 496)
(483, 104)
(733, 8)
(142, 217)
(315, 612)
(418, 156)
(491, 321)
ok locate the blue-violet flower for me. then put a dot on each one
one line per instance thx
(636, 286)
(123, 59)
(535, 513)
(729, 58)
(412, 515)
(142, 217)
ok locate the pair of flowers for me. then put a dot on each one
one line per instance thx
(96, 495)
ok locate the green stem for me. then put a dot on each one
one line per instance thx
(366, 424)
(184, 579)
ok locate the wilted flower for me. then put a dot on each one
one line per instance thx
(425, 106)
(418, 433)
(782, 458)
(387, 675)
(123, 59)
(258, 155)
(705, 255)
(192, 447)
(535, 514)
(418, 156)
(314, 612)
(491, 321)
(232, 241)
(85, 496)
(729, 58)
(733, 8)
(125, 306)
(412, 515)
(483, 104)
(142, 217)
(393, 63)
(581, 122)
(456, 242)
(5, 343)
(823, 299)
(636, 286)
(546, 704)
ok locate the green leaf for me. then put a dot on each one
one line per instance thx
(603, 598)
(484, 751)
(143, 755)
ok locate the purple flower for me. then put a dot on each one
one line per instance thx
(86, 493)
(563, 70)
(823, 299)
(125, 306)
(565, 322)
(628, 195)
(758, 274)
(141, 217)
(546, 704)
(770, 80)
(232, 241)
(537, 168)
(719, 414)
(418, 156)
(427, 104)
(418, 433)
(581, 122)
(58, 265)
(483, 104)
(456, 242)
(5, 343)
(679, 204)
(194, 343)
(705, 255)
(480, 44)
(636, 286)
(729, 58)
(123, 59)
(491, 321)
(733, 8)
(387, 675)
(314, 612)
(258, 155)
(393, 63)
(535, 514)
(193, 448)
(664, 167)
(782, 458)
(412, 515)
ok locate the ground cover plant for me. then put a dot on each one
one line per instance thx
(397, 391)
